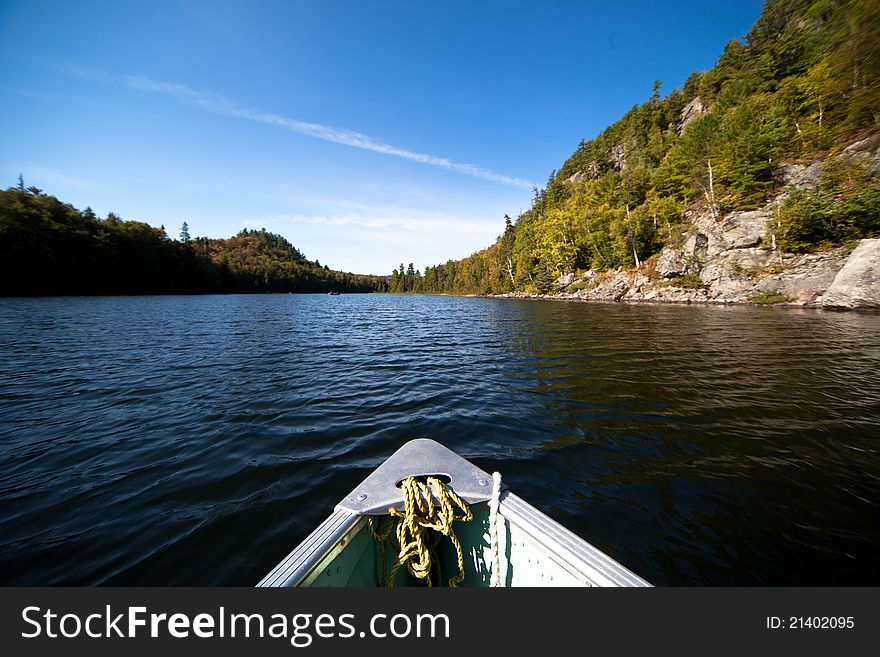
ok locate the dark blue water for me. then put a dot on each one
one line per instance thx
(196, 440)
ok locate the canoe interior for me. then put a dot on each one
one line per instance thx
(534, 549)
(524, 562)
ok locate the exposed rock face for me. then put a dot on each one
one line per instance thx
(677, 295)
(857, 284)
(802, 278)
(575, 178)
(801, 175)
(723, 252)
(868, 149)
(744, 230)
(617, 156)
(808, 176)
(565, 280)
(590, 173)
(731, 272)
(691, 111)
(671, 263)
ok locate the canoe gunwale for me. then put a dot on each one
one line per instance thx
(584, 561)
(319, 548)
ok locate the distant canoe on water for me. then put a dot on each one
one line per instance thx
(333, 294)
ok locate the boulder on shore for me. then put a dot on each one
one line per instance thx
(857, 284)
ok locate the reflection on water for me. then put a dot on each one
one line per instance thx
(196, 440)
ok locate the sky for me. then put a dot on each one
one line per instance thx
(369, 134)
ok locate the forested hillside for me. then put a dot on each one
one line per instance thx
(50, 247)
(803, 83)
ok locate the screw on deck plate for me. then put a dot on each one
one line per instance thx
(362, 497)
(484, 482)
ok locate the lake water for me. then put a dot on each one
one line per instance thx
(197, 440)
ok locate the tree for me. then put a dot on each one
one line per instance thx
(184, 233)
(505, 255)
(555, 245)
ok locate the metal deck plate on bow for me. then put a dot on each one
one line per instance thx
(422, 457)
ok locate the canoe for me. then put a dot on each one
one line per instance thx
(530, 548)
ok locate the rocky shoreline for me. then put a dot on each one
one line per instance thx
(834, 279)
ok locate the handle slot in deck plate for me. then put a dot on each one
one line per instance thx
(379, 492)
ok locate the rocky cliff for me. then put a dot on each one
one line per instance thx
(734, 259)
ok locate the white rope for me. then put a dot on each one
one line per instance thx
(495, 564)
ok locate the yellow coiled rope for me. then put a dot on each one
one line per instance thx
(429, 509)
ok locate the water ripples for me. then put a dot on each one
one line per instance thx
(196, 440)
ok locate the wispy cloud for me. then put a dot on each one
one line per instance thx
(386, 218)
(212, 102)
(423, 225)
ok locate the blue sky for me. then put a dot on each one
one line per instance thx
(367, 133)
